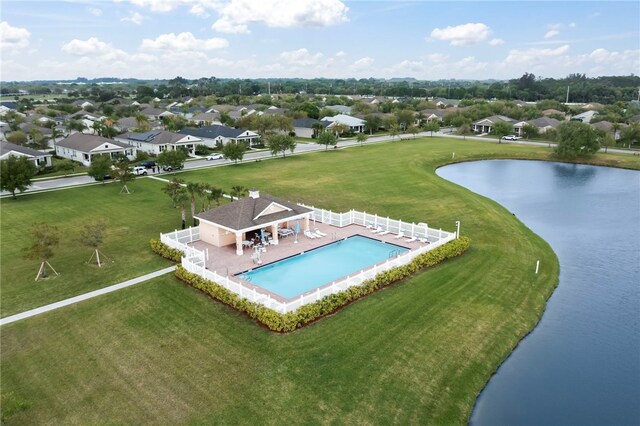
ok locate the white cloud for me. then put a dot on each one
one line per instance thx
(199, 10)
(496, 42)
(551, 33)
(236, 15)
(362, 63)
(462, 35)
(183, 41)
(437, 58)
(535, 55)
(340, 54)
(554, 26)
(469, 66)
(301, 57)
(220, 62)
(13, 37)
(94, 11)
(159, 5)
(572, 25)
(135, 17)
(90, 47)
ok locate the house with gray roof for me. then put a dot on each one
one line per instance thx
(156, 141)
(542, 125)
(216, 135)
(40, 159)
(82, 148)
(155, 114)
(355, 124)
(233, 223)
(485, 125)
(206, 118)
(585, 117)
(607, 127)
(304, 127)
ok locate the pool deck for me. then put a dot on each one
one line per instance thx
(225, 261)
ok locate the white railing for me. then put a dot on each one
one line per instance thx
(194, 260)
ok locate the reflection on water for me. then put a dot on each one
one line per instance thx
(581, 365)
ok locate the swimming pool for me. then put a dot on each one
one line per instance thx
(295, 275)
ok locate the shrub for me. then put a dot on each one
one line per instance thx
(165, 251)
(306, 314)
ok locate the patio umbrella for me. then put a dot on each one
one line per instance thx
(262, 234)
(297, 228)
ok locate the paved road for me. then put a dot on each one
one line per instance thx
(301, 148)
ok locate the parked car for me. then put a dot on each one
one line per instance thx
(139, 170)
(511, 138)
(147, 164)
(215, 157)
(169, 168)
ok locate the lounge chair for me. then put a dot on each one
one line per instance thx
(370, 226)
(385, 232)
(377, 230)
(319, 232)
(424, 240)
(400, 235)
(308, 234)
(412, 239)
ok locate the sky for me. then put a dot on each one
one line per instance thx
(427, 40)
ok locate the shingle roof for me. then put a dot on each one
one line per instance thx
(241, 213)
(85, 143)
(6, 147)
(308, 122)
(156, 137)
(544, 122)
(213, 131)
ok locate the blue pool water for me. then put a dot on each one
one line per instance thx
(296, 275)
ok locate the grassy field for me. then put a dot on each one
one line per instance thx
(133, 220)
(417, 353)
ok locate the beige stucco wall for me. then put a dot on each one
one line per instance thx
(213, 235)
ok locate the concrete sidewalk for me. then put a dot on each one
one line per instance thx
(90, 295)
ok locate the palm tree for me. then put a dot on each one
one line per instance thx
(317, 128)
(362, 138)
(180, 198)
(193, 189)
(615, 126)
(238, 191)
(172, 187)
(55, 134)
(214, 194)
(339, 128)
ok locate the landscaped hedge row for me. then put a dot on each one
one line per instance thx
(276, 321)
(165, 251)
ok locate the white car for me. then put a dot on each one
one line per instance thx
(511, 138)
(139, 170)
(215, 157)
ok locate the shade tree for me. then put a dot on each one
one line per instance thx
(16, 174)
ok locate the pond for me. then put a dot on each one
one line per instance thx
(581, 364)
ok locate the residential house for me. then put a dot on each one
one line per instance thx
(342, 109)
(445, 103)
(206, 118)
(156, 114)
(126, 124)
(552, 111)
(83, 103)
(607, 127)
(303, 127)
(82, 147)
(7, 106)
(355, 124)
(156, 141)
(542, 124)
(485, 125)
(585, 117)
(429, 114)
(28, 127)
(216, 135)
(40, 159)
(272, 110)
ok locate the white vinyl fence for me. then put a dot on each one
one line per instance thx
(194, 260)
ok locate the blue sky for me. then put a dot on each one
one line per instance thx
(317, 38)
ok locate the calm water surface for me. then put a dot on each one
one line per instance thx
(581, 364)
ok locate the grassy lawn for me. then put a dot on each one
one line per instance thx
(133, 220)
(160, 352)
